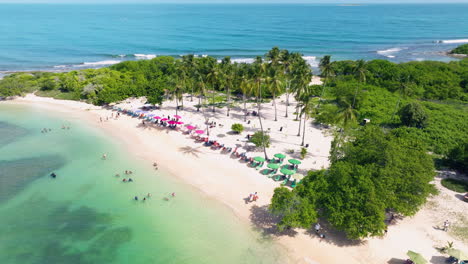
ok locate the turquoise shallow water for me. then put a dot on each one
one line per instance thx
(87, 215)
(61, 37)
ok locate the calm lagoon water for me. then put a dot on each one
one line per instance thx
(87, 215)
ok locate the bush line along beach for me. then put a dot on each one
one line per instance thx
(356, 146)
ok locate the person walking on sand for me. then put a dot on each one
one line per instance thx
(446, 225)
(317, 228)
(255, 197)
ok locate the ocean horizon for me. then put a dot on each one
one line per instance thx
(61, 37)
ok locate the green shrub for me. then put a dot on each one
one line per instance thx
(462, 49)
(260, 138)
(413, 115)
(303, 153)
(238, 128)
(455, 185)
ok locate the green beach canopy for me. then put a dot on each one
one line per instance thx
(416, 257)
(298, 176)
(294, 161)
(280, 156)
(286, 171)
(458, 254)
(259, 159)
(274, 166)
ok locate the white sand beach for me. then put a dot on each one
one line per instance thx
(230, 181)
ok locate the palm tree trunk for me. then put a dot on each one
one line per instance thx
(245, 108)
(274, 103)
(299, 131)
(229, 101)
(191, 94)
(355, 94)
(287, 100)
(297, 111)
(213, 100)
(261, 124)
(304, 129)
(177, 104)
(199, 103)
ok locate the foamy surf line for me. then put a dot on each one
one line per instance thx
(453, 41)
(311, 60)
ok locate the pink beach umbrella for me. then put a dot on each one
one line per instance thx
(172, 122)
(199, 131)
(191, 127)
(179, 123)
(164, 119)
(157, 117)
(177, 116)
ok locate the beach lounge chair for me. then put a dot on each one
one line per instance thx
(293, 184)
(278, 177)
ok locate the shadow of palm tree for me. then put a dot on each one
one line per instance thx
(190, 150)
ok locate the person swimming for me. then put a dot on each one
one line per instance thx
(130, 180)
(53, 175)
(124, 180)
(136, 198)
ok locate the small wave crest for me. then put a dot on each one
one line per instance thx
(390, 53)
(97, 63)
(144, 56)
(453, 41)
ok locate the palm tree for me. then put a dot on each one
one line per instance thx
(245, 87)
(404, 91)
(275, 85)
(346, 116)
(188, 65)
(214, 78)
(302, 76)
(286, 60)
(307, 108)
(360, 71)
(228, 74)
(274, 56)
(259, 69)
(327, 72)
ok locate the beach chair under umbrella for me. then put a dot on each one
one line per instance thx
(458, 254)
(416, 257)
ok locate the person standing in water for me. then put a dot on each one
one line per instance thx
(104, 156)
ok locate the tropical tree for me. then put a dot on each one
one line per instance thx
(259, 69)
(214, 77)
(327, 73)
(228, 72)
(360, 71)
(275, 84)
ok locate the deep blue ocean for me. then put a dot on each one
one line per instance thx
(62, 37)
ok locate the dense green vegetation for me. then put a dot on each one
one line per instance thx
(455, 185)
(417, 110)
(376, 172)
(462, 49)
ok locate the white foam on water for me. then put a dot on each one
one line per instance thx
(312, 61)
(453, 41)
(98, 63)
(390, 53)
(60, 66)
(145, 56)
(243, 60)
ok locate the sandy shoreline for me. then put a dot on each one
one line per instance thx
(230, 181)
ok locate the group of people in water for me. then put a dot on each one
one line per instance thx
(46, 130)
